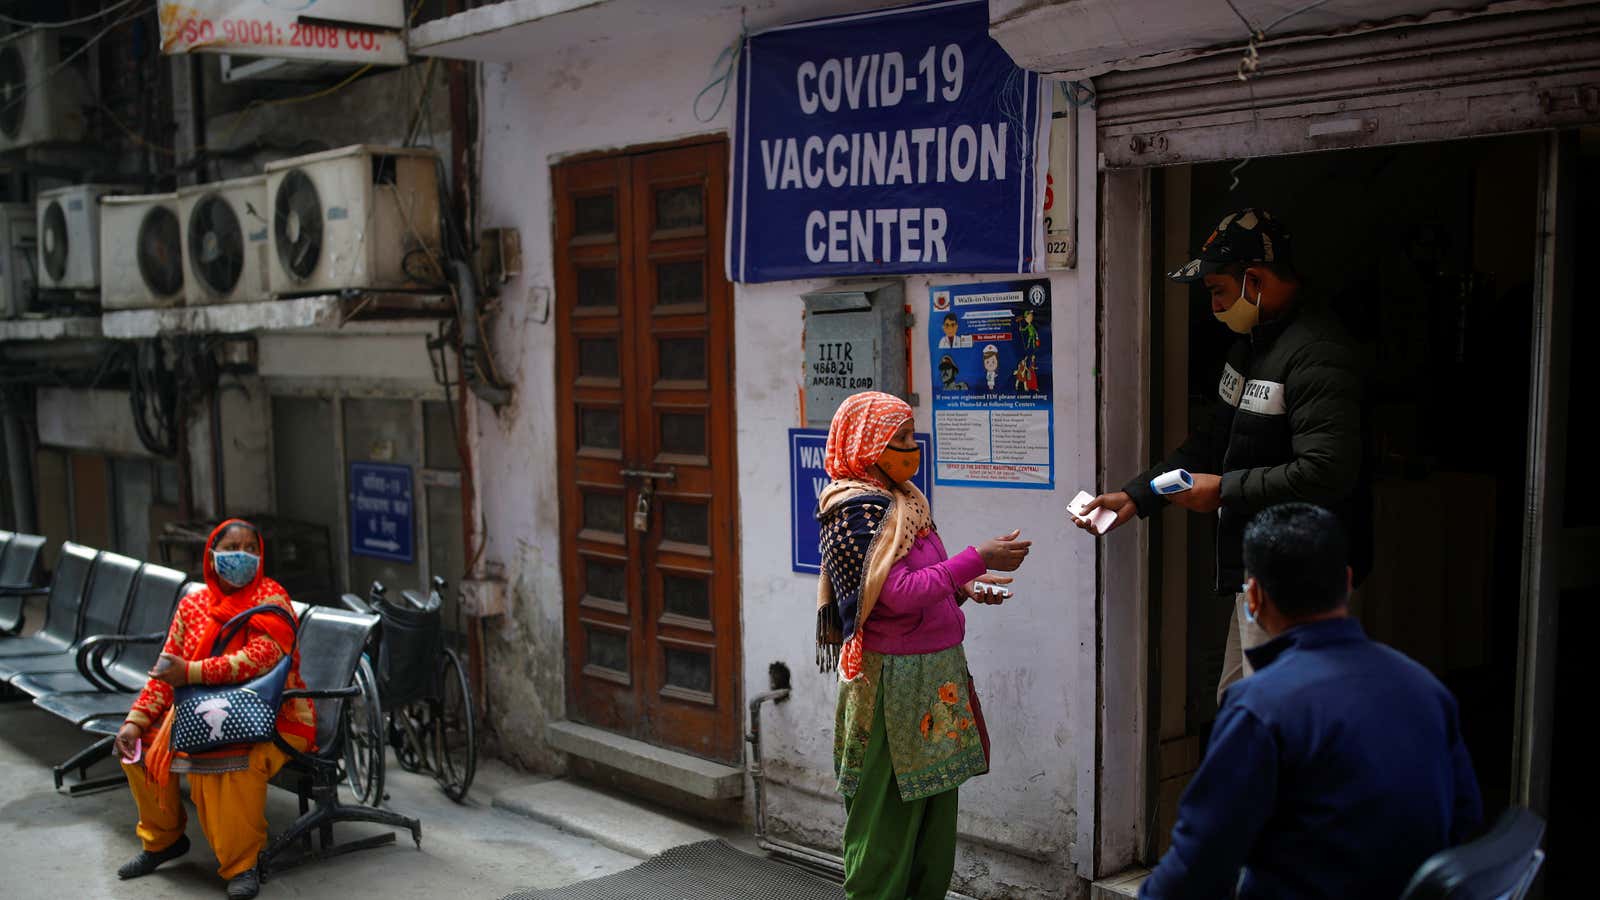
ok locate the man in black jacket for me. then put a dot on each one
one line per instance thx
(1287, 423)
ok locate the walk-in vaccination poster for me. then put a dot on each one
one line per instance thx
(993, 417)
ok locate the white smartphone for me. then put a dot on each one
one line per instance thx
(1100, 520)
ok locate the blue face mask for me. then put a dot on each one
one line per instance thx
(236, 567)
(1249, 615)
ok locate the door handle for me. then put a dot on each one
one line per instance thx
(647, 474)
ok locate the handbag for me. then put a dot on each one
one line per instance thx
(210, 716)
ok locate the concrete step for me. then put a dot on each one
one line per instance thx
(691, 774)
(604, 818)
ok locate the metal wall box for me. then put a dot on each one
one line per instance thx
(855, 341)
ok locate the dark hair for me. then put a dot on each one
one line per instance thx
(951, 317)
(236, 526)
(1299, 554)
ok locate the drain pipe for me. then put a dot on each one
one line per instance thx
(778, 677)
(18, 460)
(821, 861)
(471, 341)
(827, 863)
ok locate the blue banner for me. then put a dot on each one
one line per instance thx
(993, 412)
(382, 515)
(806, 481)
(888, 142)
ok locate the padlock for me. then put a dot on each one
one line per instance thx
(641, 512)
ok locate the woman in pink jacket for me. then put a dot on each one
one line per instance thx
(908, 729)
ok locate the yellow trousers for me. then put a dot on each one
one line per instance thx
(232, 807)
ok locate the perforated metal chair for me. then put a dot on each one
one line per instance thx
(331, 643)
(1501, 865)
(20, 577)
(62, 608)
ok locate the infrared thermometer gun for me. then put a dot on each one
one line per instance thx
(1100, 520)
(1175, 482)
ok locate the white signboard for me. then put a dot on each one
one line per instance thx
(356, 31)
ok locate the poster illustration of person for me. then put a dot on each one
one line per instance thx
(1000, 431)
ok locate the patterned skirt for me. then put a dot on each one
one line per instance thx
(936, 735)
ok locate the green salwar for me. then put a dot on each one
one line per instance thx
(895, 849)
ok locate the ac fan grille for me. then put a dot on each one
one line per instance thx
(160, 251)
(297, 224)
(216, 245)
(54, 243)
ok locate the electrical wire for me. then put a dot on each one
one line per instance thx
(24, 23)
(68, 60)
(728, 62)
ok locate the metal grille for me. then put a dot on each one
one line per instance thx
(710, 869)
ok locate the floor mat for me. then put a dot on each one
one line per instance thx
(709, 870)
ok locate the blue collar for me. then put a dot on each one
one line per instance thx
(1307, 637)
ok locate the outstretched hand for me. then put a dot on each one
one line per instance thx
(1004, 553)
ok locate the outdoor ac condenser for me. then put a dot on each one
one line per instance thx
(17, 264)
(43, 93)
(356, 218)
(141, 252)
(225, 245)
(69, 236)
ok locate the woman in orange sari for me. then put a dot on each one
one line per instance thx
(228, 786)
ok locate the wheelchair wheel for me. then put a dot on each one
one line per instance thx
(364, 739)
(455, 729)
(405, 738)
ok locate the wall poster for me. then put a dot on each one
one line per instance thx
(993, 413)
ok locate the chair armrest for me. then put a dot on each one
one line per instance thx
(353, 690)
(23, 590)
(91, 658)
(305, 759)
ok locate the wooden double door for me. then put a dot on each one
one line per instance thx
(645, 393)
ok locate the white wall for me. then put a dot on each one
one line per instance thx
(1033, 658)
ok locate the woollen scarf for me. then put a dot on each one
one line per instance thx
(870, 523)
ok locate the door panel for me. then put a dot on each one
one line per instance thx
(645, 366)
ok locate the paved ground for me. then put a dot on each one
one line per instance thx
(55, 847)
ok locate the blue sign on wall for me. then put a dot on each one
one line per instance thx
(886, 142)
(382, 515)
(807, 478)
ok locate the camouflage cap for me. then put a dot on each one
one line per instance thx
(1244, 237)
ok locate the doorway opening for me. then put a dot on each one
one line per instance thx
(1429, 253)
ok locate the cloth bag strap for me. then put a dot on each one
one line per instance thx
(238, 622)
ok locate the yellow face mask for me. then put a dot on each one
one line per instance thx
(899, 464)
(1243, 315)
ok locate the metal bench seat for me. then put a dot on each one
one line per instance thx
(113, 661)
(105, 607)
(63, 604)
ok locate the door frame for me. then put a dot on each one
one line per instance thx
(1549, 390)
(1127, 722)
(729, 682)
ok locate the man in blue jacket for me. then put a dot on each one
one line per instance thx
(1338, 767)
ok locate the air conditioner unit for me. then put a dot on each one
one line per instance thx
(16, 259)
(356, 218)
(225, 228)
(69, 236)
(42, 93)
(141, 252)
